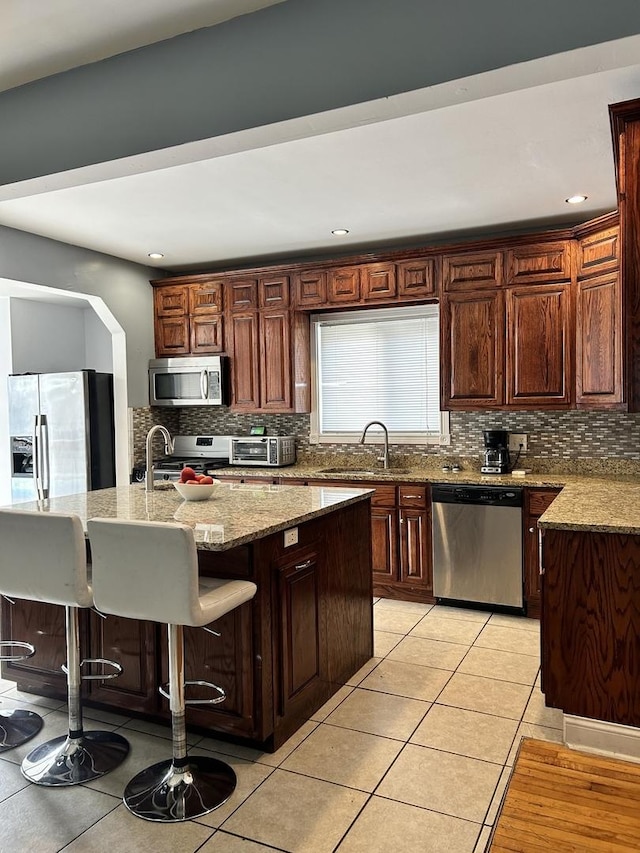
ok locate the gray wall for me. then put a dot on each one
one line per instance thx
(123, 286)
(289, 60)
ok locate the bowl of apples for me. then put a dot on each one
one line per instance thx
(194, 487)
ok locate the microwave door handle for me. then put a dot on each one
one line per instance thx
(204, 384)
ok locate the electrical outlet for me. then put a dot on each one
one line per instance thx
(291, 537)
(515, 440)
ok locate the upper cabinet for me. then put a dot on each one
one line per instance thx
(506, 330)
(188, 317)
(599, 366)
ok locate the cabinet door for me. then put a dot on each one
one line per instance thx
(539, 357)
(599, 342)
(378, 281)
(242, 294)
(472, 271)
(539, 262)
(298, 646)
(273, 291)
(472, 350)
(132, 644)
(206, 298)
(42, 625)
(384, 544)
(415, 548)
(275, 361)
(310, 288)
(416, 278)
(172, 336)
(244, 361)
(207, 333)
(599, 253)
(344, 284)
(171, 301)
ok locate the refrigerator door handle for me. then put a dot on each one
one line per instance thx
(204, 384)
(41, 457)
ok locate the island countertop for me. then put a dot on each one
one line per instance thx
(234, 515)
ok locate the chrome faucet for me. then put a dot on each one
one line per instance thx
(168, 448)
(385, 455)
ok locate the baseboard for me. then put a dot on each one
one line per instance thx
(602, 738)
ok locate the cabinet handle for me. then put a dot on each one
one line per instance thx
(540, 552)
(532, 530)
(302, 566)
(411, 496)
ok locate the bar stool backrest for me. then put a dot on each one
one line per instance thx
(145, 570)
(43, 557)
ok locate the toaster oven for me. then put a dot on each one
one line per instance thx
(267, 450)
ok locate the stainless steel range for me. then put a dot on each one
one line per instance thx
(200, 452)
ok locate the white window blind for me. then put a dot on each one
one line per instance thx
(381, 365)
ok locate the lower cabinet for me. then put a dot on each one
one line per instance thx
(589, 640)
(43, 625)
(536, 501)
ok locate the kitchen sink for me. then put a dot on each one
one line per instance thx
(368, 471)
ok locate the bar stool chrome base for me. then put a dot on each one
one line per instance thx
(70, 760)
(17, 727)
(169, 793)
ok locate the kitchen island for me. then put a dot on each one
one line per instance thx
(279, 657)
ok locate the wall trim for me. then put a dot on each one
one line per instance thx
(602, 738)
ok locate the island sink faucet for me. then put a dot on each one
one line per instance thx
(385, 454)
(168, 449)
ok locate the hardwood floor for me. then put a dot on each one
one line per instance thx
(568, 802)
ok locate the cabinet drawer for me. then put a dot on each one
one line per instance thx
(412, 496)
(539, 501)
(383, 495)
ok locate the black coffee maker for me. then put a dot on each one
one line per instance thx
(496, 452)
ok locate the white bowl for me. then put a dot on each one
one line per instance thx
(192, 492)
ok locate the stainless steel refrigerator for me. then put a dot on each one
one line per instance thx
(62, 437)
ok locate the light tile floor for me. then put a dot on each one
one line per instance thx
(412, 755)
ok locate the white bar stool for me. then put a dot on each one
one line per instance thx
(43, 558)
(17, 726)
(149, 570)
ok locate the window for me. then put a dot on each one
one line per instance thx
(377, 365)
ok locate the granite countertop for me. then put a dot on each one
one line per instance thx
(234, 514)
(598, 503)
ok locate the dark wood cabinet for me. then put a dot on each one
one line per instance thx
(539, 347)
(541, 263)
(188, 318)
(273, 292)
(472, 331)
(245, 352)
(599, 342)
(536, 501)
(598, 252)
(300, 643)
(378, 281)
(343, 285)
(417, 278)
(415, 538)
(43, 625)
(242, 294)
(384, 536)
(590, 607)
(310, 288)
(472, 270)
(133, 644)
(275, 361)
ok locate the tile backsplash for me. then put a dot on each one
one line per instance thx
(580, 442)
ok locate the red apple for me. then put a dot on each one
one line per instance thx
(187, 474)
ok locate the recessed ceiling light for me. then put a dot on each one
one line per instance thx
(155, 255)
(340, 232)
(576, 199)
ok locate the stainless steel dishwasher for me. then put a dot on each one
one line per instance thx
(477, 544)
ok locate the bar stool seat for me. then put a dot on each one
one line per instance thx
(43, 557)
(149, 570)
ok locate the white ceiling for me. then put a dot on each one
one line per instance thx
(493, 152)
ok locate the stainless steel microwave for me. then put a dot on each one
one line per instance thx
(188, 381)
(267, 450)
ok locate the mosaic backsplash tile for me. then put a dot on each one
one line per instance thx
(581, 442)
